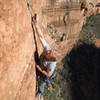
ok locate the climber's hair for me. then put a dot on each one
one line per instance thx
(51, 58)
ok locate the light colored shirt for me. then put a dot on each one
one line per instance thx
(49, 64)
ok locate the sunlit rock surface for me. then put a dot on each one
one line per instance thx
(17, 47)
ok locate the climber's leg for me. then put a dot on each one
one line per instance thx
(41, 88)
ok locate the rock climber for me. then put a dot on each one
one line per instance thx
(49, 63)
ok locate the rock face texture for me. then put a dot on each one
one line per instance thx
(94, 2)
(17, 47)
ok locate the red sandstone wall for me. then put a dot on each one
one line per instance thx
(17, 65)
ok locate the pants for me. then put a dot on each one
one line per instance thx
(45, 83)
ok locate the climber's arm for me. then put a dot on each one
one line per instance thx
(38, 30)
(48, 74)
(40, 34)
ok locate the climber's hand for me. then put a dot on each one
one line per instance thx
(38, 67)
(35, 18)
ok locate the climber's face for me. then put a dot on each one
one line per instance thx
(51, 55)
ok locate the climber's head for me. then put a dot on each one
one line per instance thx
(51, 55)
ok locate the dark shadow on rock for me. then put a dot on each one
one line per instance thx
(36, 54)
(84, 69)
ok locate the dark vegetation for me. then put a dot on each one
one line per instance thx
(91, 30)
(79, 77)
(84, 66)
